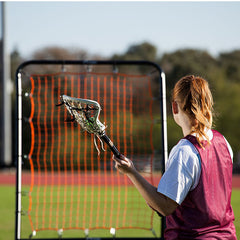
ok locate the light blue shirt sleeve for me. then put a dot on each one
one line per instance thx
(182, 172)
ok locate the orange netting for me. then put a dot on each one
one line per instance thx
(71, 187)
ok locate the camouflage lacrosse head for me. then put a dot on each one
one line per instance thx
(86, 113)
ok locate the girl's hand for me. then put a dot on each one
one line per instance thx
(123, 164)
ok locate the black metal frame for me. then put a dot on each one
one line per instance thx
(84, 62)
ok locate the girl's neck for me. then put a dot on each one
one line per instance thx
(185, 123)
(181, 119)
(186, 129)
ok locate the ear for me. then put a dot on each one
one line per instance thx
(194, 122)
(174, 107)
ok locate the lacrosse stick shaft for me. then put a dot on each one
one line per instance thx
(108, 141)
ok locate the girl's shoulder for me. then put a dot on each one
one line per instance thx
(185, 147)
(184, 153)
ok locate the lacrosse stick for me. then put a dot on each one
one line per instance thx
(86, 113)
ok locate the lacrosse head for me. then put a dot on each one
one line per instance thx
(86, 113)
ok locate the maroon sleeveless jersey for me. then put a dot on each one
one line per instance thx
(206, 212)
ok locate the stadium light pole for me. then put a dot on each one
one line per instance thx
(5, 99)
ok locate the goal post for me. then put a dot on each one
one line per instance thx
(64, 188)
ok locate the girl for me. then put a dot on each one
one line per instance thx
(194, 193)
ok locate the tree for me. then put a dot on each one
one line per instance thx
(144, 51)
(186, 61)
(59, 53)
(229, 62)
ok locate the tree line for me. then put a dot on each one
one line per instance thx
(222, 73)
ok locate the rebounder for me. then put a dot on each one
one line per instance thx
(67, 186)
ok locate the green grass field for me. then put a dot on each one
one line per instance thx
(7, 219)
(139, 217)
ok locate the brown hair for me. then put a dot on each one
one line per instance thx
(195, 99)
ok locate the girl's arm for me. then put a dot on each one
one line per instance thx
(159, 202)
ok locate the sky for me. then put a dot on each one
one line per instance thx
(107, 28)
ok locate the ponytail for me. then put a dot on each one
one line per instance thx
(195, 99)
